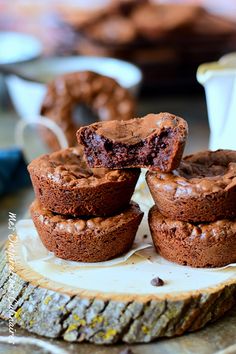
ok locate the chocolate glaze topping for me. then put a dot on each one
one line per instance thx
(75, 224)
(135, 130)
(69, 167)
(201, 173)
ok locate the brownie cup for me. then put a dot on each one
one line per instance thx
(113, 30)
(154, 21)
(197, 245)
(155, 141)
(64, 184)
(202, 189)
(87, 239)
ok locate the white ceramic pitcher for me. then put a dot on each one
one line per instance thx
(219, 81)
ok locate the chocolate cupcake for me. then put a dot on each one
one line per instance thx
(202, 189)
(64, 184)
(155, 141)
(197, 245)
(113, 30)
(87, 239)
(154, 21)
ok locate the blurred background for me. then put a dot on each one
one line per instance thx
(165, 41)
(167, 44)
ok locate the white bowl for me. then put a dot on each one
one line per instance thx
(27, 95)
(18, 47)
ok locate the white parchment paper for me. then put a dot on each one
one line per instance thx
(130, 273)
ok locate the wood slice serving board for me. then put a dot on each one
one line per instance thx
(112, 303)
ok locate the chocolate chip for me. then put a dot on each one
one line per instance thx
(157, 281)
(127, 351)
(145, 236)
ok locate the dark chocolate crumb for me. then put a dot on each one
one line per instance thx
(127, 351)
(157, 281)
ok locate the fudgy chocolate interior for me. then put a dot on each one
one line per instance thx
(148, 141)
(124, 154)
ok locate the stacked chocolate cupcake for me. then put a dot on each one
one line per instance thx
(80, 213)
(82, 210)
(193, 221)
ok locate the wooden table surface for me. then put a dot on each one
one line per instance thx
(217, 338)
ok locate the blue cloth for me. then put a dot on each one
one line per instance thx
(13, 171)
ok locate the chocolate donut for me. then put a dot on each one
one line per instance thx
(197, 245)
(64, 184)
(202, 189)
(87, 240)
(102, 95)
